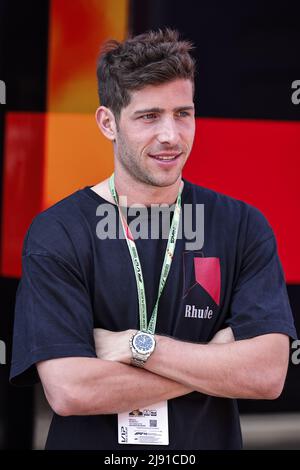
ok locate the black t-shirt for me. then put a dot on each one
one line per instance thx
(72, 282)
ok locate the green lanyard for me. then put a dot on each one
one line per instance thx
(150, 328)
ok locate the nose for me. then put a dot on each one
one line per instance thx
(168, 133)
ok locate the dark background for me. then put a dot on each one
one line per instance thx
(247, 54)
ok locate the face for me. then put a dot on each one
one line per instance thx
(156, 132)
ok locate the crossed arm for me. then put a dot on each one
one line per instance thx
(254, 368)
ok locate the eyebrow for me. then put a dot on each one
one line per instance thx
(160, 110)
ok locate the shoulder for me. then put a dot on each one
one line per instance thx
(60, 229)
(231, 213)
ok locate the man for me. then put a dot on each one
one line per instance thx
(116, 324)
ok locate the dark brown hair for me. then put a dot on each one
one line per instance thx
(148, 59)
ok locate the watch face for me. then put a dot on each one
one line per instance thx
(144, 343)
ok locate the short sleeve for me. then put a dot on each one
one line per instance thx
(53, 316)
(260, 303)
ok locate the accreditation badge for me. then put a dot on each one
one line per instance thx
(145, 425)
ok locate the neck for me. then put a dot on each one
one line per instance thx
(140, 193)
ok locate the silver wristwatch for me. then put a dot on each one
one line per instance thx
(142, 346)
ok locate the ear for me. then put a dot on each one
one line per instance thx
(106, 122)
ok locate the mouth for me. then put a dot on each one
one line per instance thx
(165, 157)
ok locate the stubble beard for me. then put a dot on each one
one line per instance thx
(129, 161)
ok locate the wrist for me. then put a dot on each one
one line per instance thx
(159, 344)
(142, 345)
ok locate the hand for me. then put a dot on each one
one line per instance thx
(223, 336)
(113, 346)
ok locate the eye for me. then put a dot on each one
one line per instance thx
(183, 114)
(149, 116)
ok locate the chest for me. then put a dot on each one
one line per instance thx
(194, 303)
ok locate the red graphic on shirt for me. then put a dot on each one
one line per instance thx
(208, 275)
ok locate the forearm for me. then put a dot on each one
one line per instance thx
(241, 369)
(88, 386)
